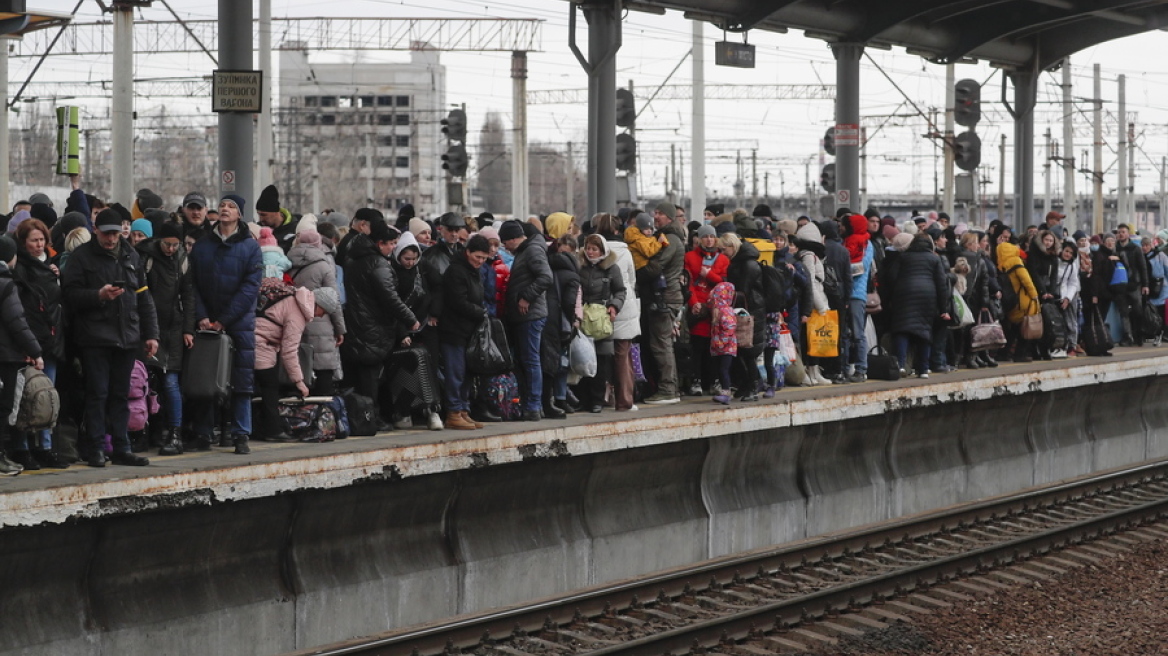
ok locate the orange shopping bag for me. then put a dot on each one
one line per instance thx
(823, 334)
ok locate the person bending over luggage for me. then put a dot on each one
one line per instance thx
(279, 330)
(462, 313)
(227, 267)
(106, 291)
(18, 346)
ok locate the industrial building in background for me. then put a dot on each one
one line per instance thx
(367, 132)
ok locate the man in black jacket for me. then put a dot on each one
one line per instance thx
(527, 310)
(840, 263)
(106, 289)
(1129, 304)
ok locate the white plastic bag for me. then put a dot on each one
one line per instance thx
(582, 356)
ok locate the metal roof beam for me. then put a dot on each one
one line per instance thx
(685, 92)
(157, 37)
(989, 24)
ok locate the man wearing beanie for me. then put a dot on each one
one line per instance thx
(452, 233)
(226, 267)
(527, 310)
(173, 292)
(712, 211)
(113, 314)
(269, 214)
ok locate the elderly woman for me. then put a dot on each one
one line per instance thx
(601, 284)
(809, 242)
(918, 284)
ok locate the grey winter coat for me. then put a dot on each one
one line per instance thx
(531, 275)
(312, 268)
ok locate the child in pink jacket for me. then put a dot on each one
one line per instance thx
(279, 330)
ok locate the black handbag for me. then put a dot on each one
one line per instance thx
(882, 365)
(488, 353)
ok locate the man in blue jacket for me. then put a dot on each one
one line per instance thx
(105, 288)
(227, 267)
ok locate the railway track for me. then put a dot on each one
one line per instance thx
(786, 599)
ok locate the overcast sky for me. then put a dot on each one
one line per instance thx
(786, 133)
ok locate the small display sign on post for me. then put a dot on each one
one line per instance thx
(237, 91)
(738, 55)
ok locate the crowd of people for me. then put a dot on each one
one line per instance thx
(593, 313)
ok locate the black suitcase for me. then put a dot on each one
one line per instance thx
(207, 372)
(305, 354)
(1054, 327)
(413, 380)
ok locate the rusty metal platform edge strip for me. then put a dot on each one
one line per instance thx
(59, 504)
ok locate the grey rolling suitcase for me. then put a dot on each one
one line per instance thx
(207, 372)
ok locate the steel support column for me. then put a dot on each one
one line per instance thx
(1025, 95)
(520, 184)
(604, 40)
(847, 118)
(236, 139)
(122, 107)
(697, 166)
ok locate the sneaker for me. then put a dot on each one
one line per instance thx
(923, 375)
(631, 408)
(769, 393)
(750, 397)
(694, 390)
(721, 398)
(662, 399)
(1058, 353)
(404, 423)
(129, 459)
(435, 422)
(7, 467)
(858, 377)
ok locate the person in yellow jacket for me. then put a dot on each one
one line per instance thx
(1010, 261)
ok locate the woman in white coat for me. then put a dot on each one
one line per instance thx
(809, 241)
(627, 326)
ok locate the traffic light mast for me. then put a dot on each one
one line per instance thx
(455, 159)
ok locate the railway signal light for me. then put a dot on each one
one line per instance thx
(626, 152)
(967, 103)
(626, 110)
(829, 142)
(967, 151)
(827, 178)
(455, 160)
(454, 126)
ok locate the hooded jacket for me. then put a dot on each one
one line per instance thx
(628, 320)
(840, 261)
(745, 273)
(671, 261)
(311, 267)
(433, 265)
(811, 251)
(700, 288)
(602, 282)
(375, 315)
(1010, 261)
(227, 274)
(464, 310)
(279, 331)
(410, 286)
(562, 297)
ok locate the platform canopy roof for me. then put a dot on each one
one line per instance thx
(1012, 34)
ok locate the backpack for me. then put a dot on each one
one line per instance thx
(142, 401)
(361, 415)
(1009, 296)
(502, 396)
(272, 291)
(776, 283)
(831, 282)
(37, 404)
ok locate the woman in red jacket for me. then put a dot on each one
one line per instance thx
(706, 266)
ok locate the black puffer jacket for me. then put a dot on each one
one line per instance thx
(433, 264)
(375, 316)
(919, 287)
(561, 300)
(173, 291)
(1043, 269)
(977, 287)
(463, 310)
(40, 294)
(16, 340)
(124, 322)
(745, 273)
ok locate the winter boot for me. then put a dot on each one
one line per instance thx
(241, 447)
(454, 420)
(171, 443)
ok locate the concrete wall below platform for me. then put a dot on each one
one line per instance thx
(298, 569)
